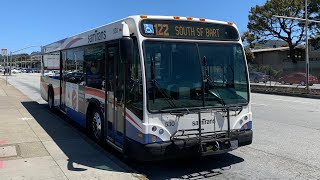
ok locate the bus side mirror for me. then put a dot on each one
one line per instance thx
(126, 49)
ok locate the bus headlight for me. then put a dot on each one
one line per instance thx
(161, 131)
(154, 128)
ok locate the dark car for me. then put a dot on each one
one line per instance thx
(258, 77)
(74, 77)
(36, 70)
(298, 78)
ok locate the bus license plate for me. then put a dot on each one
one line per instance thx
(234, 144)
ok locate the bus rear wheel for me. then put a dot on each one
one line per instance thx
(96, 125)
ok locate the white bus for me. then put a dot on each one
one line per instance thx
(154, 87)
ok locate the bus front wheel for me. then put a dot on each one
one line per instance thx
(96, 125)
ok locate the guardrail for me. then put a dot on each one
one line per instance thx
(297, 91)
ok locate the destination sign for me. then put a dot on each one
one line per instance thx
(188, 30)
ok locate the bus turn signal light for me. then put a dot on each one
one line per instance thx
(189, 18)
(202, 19)
(143, 16)
(230, 23)
(176, 17)
(154, 138)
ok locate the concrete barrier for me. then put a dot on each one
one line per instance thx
(286, 91)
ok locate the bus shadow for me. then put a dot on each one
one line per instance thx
(77, 152)
(188, 168)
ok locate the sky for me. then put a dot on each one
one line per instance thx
(27, 23)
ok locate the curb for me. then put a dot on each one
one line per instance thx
(312, 96)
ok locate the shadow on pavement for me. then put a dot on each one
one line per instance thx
(77, 148)
(81, 150)
(188, 168)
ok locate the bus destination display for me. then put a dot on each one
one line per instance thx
(188, 30)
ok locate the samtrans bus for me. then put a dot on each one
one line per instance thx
(154, 87)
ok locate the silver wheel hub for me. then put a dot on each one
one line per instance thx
(96, 125)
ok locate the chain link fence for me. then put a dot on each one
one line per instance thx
(289, 80)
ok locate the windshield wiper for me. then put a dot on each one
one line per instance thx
(217, 96)
(207, 82)
(155, 85)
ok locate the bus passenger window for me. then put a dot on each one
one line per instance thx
(95, 66)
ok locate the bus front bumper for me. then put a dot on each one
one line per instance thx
(182, 148)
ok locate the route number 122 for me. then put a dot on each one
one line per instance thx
(162, 29)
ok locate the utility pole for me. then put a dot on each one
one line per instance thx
(306, 20)
(12, 52)
(4, 53)
(307, 45)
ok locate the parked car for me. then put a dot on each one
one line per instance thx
(36, 70)
(258, 77)
(14, 71)
(49, 73)
(298, 78)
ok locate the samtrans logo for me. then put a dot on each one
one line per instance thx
(97, 36)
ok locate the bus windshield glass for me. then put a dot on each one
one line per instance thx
(194, 75)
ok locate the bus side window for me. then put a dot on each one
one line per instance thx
(94, 57)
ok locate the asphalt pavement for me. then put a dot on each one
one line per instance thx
(285, 145)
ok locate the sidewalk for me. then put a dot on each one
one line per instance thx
(36, 144)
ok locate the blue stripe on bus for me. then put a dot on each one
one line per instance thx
(77, 116)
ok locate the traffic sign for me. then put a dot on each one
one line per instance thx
(3, 52)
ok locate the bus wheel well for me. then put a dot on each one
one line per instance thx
(95, 122)
(91, 106)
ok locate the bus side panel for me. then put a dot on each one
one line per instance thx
(96, 94)
(45, 81)
(134, 127)
(44, 88)
(75, 103)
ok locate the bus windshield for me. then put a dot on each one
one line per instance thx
(193, 75)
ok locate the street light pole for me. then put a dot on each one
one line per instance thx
(10, 63)
(306, 41)
(307, 46)
(6, 70)
(11, 52)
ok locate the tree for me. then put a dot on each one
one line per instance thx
(249, 55)
(248, 38)
(263, 26)
(314, 11)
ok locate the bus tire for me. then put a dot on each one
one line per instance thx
(50, 99)
(96, 124)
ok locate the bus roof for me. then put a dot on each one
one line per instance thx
(113, 31)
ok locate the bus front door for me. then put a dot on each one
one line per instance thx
(115, 83)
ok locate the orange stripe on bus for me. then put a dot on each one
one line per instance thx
(130, 118)
(95, 92)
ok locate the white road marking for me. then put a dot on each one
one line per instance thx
(26, 119)
(291, 101)
(256, 104)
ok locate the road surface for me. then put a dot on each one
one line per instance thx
(285, 145)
